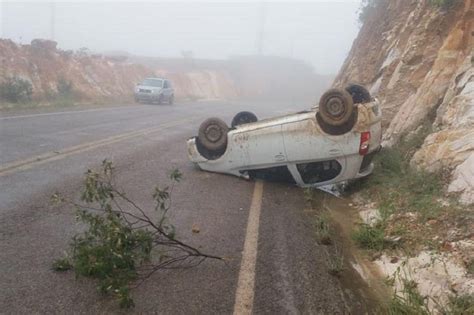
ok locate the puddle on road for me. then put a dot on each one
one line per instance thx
(361, 277)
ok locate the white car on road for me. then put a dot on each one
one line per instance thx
(330, 143)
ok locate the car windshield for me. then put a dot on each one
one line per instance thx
(152, 82)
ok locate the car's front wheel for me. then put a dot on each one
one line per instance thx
(160, 99)
(336, 107)
(213, 134)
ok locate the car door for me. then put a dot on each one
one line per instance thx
(261, 147)
(313, 156)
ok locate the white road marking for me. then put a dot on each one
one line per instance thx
(246, 285)
(28, 163)
(63, 113)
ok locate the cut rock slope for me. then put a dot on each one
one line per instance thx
(418, 59)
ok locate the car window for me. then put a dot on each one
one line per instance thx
(273, 174)
(319, 172)
(152, 82)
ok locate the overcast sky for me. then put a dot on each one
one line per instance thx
(319, 32)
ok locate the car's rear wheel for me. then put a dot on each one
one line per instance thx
(360, 95)
(243, 118)
(213, 134)
(160, 99)
(336, 107)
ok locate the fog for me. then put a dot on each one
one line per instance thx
(317, 32)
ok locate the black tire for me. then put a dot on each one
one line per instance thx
(160, 99)
(243, 118)
(360, 95)
(171, 100)
(336, 107)
(213, 134)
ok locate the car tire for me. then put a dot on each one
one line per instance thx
(171, 100)
(360, 95)
(243, 118)
(213, 134)
(336, 107)
(160, 99)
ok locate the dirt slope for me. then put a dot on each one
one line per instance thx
(418, 60)
(97, 76)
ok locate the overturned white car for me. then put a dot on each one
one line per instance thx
(330, 143)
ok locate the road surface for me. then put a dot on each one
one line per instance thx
(264, 225)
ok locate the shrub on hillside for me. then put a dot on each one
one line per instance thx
(366, 7)
(65, 87)
(444, 4)
(15, 90)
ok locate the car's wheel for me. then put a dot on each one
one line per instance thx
(360, 95)
(243, 118)
(171, 100)
(160, 99)
(336, 107)
(213, 134)
(137, 101)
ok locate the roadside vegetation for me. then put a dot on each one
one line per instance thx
(414, 214)
(367, 6)
(122, 244)
(17, 92)
(444, 4)
(412, 205)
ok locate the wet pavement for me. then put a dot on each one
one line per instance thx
(291, 271)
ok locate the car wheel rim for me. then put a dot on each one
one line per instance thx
(335, 107)
(213, 133)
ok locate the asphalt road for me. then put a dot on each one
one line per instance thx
(46, 152)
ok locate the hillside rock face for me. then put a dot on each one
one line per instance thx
(95, 76)
(418, 59)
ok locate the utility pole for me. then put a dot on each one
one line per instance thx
(52, 7)
(2, 19)
(261, 28)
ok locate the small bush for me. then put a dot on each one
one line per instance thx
(16, 90)
(460, 305)
(444, 4)
(366, 7)
(65, 88)
(336, 263)
(123, 244)
(323, 230)
(62, 264)
(409, 301)
(370, 237)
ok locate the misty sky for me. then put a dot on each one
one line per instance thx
(319, 32)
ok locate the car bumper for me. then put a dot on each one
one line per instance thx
(193, 153)
(146, 96)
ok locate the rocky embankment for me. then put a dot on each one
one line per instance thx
(418, 59)
(95, 77)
